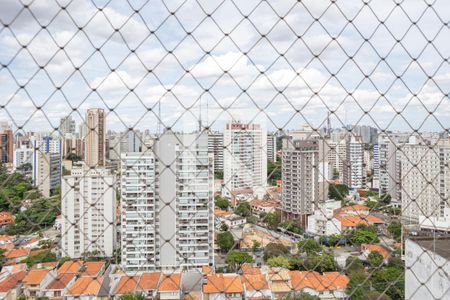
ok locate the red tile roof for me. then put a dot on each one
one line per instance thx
(61, 281)
(170, 283)
(327, 281)
(17, 253)
(11, 281)
(220, 283)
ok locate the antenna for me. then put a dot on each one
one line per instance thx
(200, 115)
(329, 124)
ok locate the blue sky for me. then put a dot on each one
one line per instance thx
(281, 63)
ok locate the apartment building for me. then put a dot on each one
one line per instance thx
(167, 204)
(67, 126)
(6, 143)
(271, 147)
(139, 219)
(354, 173)
(46, 171)
(94, 137)
(425, 186)
(88, 208)
(245, 156)
(305, 175)
(215, 146)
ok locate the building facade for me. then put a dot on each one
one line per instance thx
(6, 143)
(88, 208)
(215, 146)
(94, 137)
(245, 156)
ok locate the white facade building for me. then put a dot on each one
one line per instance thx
(245, 156)
(88, 207)
(272, 147)
(23, 155)
(215, 146)
(354, 171)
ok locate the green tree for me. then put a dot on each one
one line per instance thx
(273, 171)
(390, 281)
(395, 229)
(256, 245)
(235, 259)
(337, 191)
(41, 257)
(321, 263)
(364, 235)
(221, 202)
(275, 249)
(385, 199)
(309, 246)
(218, 175)
(375, 259)
(272, 220)
(130, 296)
(353, 265)
(243, 209)
(223, 227)
(358, 286)
(225, 241)
(279, 261)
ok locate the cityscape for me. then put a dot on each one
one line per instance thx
(224, 150)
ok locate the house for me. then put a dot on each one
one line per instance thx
(170, 287)
(352, 221)
(70, 266)
(6, 218)
(7, 242)
(279, 282)
(92, 268)
(146, 283)
(32, 243)
(89, 288)
(329, 285)
(256, 287)
(16, 255)
(250, 270)
(11, 286)
(228, 218)
(223, 286)
(261, 206)
(35, 281)
(383, 251)
(58, 287)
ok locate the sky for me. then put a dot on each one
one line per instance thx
(279, 63)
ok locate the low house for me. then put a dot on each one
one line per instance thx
(89, 288)
(7, 242)
(146, 284)
(16, 255)
(329, 285)
(256, 287)
(383, 251)
(35, 281)
(92, 268)
(70, 266)
(32, 243)
(170, 287)
(228, 218)
(58, 287)
(263, 206)
(6, 218)
(223, 287)
(279, 282)
(10, 287)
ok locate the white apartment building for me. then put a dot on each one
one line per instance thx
(305, 175)
(22, 155)
(354, 170)
(425, 178)
(245, 156)
(167, 204)
(46, 174)
(272, 147)
(322, 221)
(139, 220)
(67, 126)
(88, 208)
(215, 146)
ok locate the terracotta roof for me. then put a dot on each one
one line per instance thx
(70, 266)
(11, 281)
(35, 277)
(249, 269)
(37, 251)
(7, 247)
(377, 248)
(16, 253)
(255, 282)
(7, 238)
(309, 279)
(207, 270)
(222, 213)
(86, 286)
(61, 281)
(220, 283)
(46, 265)
(149, 281)
(278, 274)
(92, 268)
(127, 284)
(6, 217)
(32, 241)
(170, 282)
(262, 203)
(355, 220)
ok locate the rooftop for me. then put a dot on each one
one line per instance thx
(223, 283)
(438, 245)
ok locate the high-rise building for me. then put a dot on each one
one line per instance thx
(353, 167)
(6, 143)
(139, 221)
(271, 147)
(167, 204)
(245, 156)
(67, 126)
(305, 175)
(215, 146)
(22, 156)
(88, 208)
(95, 148)
(46, 171)
(425, 184)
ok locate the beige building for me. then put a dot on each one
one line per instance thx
(94, 137)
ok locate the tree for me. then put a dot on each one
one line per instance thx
(223, 227)
(364, 235)
(353, 265)
(243, 209)
(275, 249)
(375, 259)
(256, 245)
(130, 296)
(218, 175)
(225, 241)
(273, 171)
(321, 263)
(390, 281)
(73, 157)
(2, 257)
(292, 226)
(41, 257)
(279, 261)
(235, 259)
(385, 199)
(358, 286)
(395, 229)
(332, 240)
(272, 220)
(337, 191)
(221, 202)
(309, 246)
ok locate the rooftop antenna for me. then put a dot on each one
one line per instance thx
(329, 124)
(200, 115)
